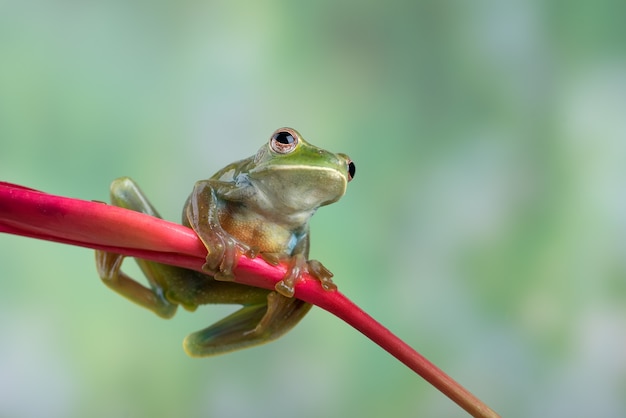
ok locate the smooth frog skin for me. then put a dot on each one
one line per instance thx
(257, 206)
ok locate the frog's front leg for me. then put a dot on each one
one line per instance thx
(251, 325)
(202, 214)
(125, 193)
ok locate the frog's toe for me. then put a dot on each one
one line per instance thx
(222, 260)
(285, 287)
(297, 266)
(214, 257)
(108, 264)
(321, 273)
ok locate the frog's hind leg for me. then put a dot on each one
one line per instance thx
(249, 326)
(125, 193)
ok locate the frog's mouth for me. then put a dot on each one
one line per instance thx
(300, 188)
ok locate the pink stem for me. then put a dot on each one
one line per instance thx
(35, 214)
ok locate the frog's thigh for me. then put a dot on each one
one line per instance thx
(249, 326)
(125, 193)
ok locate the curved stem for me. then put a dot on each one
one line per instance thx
(35, 214)
(345, 309)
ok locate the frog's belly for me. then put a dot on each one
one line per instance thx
(266, 236)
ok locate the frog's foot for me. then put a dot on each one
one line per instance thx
(321, 273)
(297, 266)
(223, 253)
(251, 325)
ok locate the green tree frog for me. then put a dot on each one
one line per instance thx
(260, 205)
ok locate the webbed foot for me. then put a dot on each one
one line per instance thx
(249, 326)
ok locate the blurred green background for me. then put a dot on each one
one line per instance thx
(486, 225)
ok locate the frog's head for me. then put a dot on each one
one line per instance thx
(297, 175)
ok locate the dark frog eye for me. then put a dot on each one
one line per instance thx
(284, 140)
(351, 169)
(349, 166)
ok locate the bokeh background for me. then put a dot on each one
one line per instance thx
(486, 225)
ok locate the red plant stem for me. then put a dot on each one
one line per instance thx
(345, 309)
(35, 214)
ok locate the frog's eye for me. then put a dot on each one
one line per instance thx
(350, 166)
(351, 169)
(284, 141)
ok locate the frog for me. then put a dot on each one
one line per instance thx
(258, 206)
